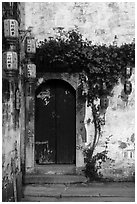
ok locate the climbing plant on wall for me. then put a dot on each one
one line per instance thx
(100, 68)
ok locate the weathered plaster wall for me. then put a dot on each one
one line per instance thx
(11, 140)
(29, 137)
(120, 125)
(98, 22)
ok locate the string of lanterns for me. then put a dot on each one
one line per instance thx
(128, 84)
(10, 59)
(10, 56)
(104, 101)
(30, 50)
(101, 86)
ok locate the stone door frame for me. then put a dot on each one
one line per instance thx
(73, 80)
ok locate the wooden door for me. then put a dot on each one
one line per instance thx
(55, 126)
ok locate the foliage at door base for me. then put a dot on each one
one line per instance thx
(91, 168)
(94, 163)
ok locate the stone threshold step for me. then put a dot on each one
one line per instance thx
(42, 191)
(77, 199)
(55, 169)
(53, 179)
(102, 192)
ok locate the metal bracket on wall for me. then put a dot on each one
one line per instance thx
(24, 33)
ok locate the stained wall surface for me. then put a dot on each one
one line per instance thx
(118, 134)
(12, 122)
(98, 22)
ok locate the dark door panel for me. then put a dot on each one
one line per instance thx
(65, 104)
(55, 123)
(45, 125)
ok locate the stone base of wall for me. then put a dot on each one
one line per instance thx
(8, 190)
(80, 170)
(119, 174)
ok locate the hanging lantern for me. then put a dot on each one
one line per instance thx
(10, 62)
(103, 119)
(103, 89)
(30, 70)
(30, 46)
(128, 72)
(85, 89)
(104, 101)
(127, 87)
(10, 28)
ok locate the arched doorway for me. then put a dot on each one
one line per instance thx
(55, 123)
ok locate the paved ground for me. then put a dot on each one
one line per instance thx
(94, 192)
